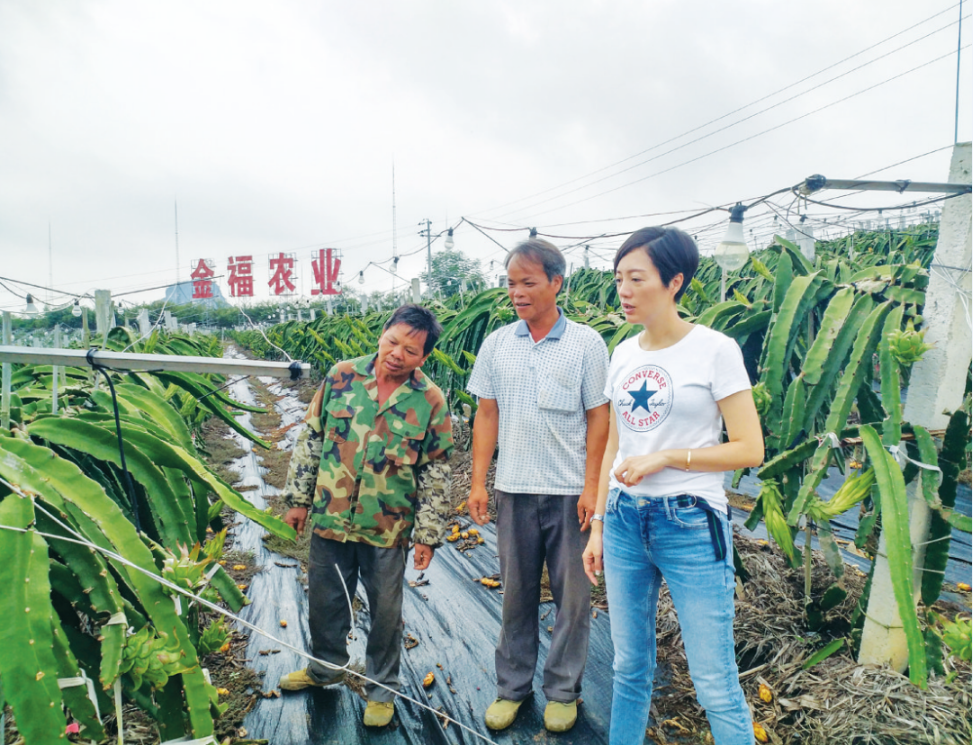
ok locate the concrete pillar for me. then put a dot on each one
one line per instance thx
(936, 389)
(805, 240)
(103, 313)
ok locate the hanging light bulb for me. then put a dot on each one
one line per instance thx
(449, 240)
(732, 253)
(31, 308)
(76, 310)
(361, 277)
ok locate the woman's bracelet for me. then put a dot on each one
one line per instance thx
(689, 459)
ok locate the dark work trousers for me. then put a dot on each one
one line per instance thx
(381, 571)
(530, 529)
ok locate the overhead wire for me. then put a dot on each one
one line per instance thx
(748, 138)
(731, 113)
(739, 121)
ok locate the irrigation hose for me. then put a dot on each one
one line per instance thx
(129, 486)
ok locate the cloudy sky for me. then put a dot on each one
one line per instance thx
(275, 126)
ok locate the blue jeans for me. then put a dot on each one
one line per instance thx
(648, 540)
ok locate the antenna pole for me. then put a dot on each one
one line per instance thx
(176, 208)
(959, 48)
(50, 263)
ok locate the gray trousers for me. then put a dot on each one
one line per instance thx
(381, 571)
(530, 529)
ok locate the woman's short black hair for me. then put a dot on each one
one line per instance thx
(417, 318)
(670, 250)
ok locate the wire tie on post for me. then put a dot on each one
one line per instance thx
(902, 457)
(831, 438)
(83, 680)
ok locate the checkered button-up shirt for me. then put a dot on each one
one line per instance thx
(543, 390)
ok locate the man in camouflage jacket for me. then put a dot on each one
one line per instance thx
(371, 466)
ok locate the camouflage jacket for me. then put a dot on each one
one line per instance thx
(373, 474)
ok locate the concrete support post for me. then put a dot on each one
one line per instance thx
(936, 389)
(54, 370)
(103, 314)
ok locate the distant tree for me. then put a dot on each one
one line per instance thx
(449, 270)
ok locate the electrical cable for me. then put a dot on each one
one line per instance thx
(748, 138)
(733, 124)
(724, 116)
(129, 486)
(909, 205)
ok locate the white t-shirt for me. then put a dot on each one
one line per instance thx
(667, 399)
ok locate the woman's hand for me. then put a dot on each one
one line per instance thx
(592, 555)
(636, 467)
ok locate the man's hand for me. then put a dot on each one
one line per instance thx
(586, 506)
(423, 556)
(477, 503)
(296, 517)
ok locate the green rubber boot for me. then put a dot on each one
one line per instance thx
(501, 713)
(560, 717)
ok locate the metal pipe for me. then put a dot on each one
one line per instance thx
(160, 362)
(818, 182)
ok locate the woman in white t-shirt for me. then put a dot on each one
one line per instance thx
(661, 500)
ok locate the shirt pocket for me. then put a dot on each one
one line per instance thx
(404, 444)
(559, 393)
(337, 427)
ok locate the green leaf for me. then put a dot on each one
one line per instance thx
(102, 444)
(831, 367)
(895, 526)
(159, 411)
(822, 654)
(832, 554)
(27, 666)
(835, 315)
(938, 538)
(794, 252)
(856, 368)
(891, 383)
(59, 481)
(783, 332)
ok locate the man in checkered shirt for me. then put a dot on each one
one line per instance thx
(540, 383)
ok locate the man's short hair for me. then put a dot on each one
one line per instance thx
(540, 252)
(418, 319)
